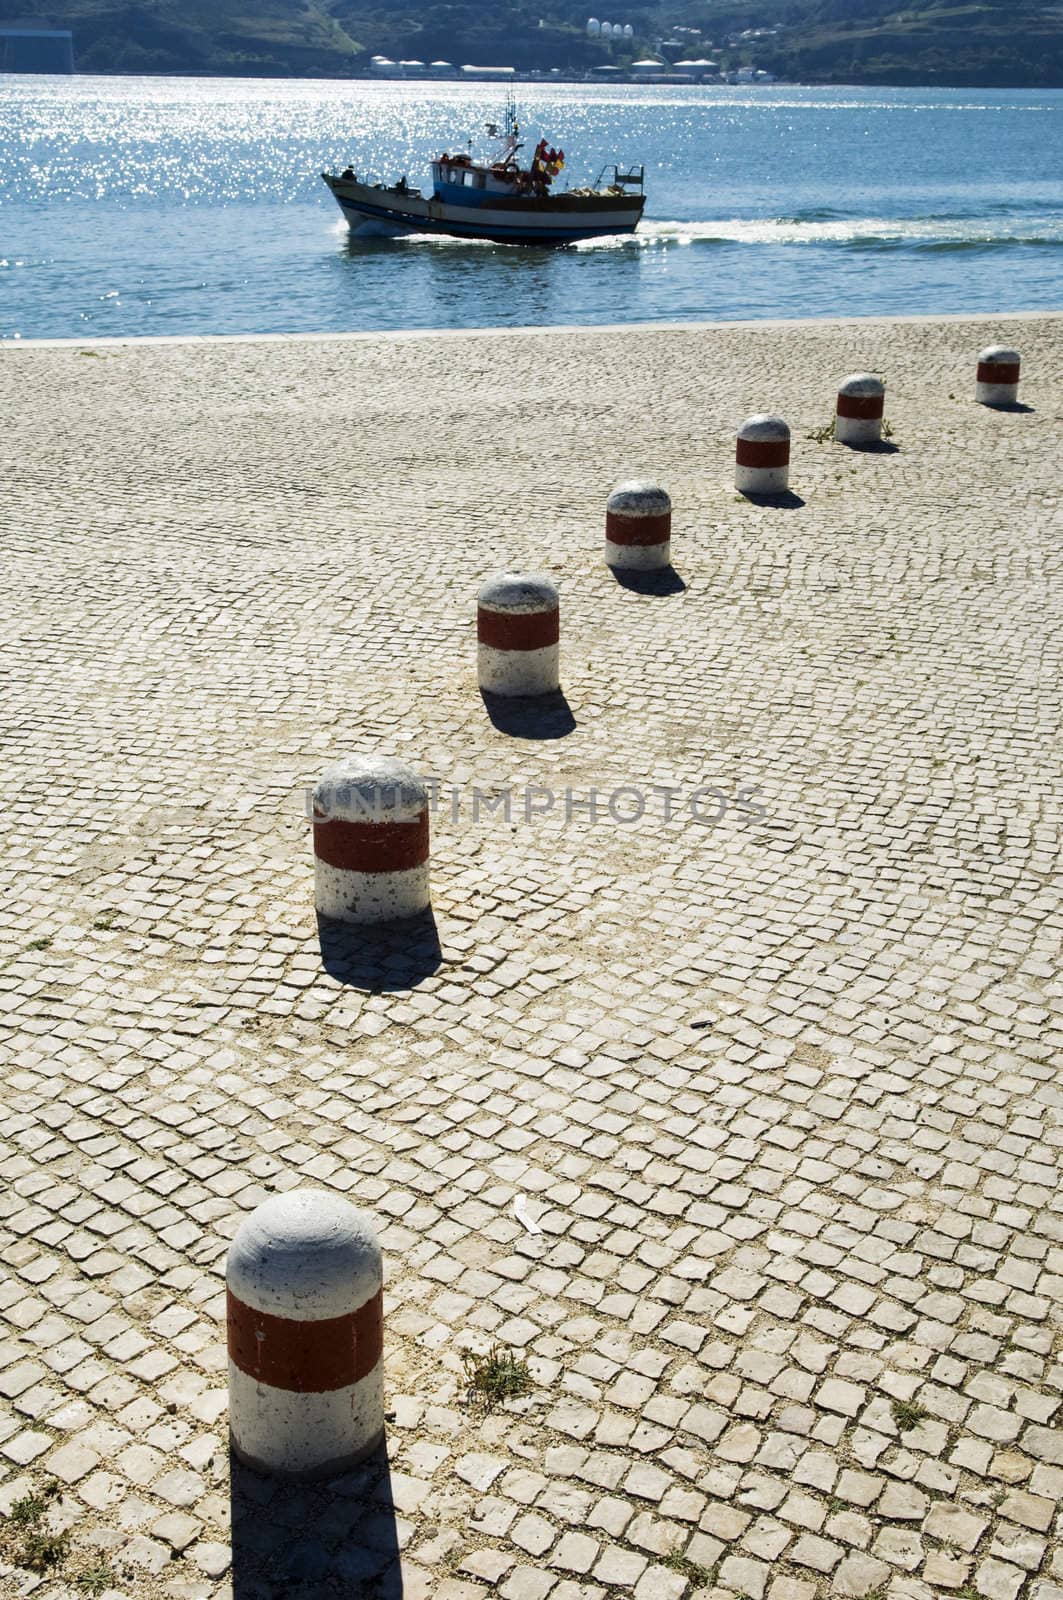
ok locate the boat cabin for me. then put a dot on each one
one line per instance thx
(455, 176)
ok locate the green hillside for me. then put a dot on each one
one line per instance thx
(1002, 42)
(284, 38)
(992, 42)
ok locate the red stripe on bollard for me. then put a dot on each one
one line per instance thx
(518, 630)
(305, 1357)
(867, 407)
(371, 846)
(998, 372)
(638, 530)
(762, 452)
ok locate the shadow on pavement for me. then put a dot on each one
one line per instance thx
(306, 1541)
(787, 501)
(662, 580)
(874, 447)
(381, 957)
(541, 716)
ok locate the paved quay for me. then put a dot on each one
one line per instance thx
(739, 1122)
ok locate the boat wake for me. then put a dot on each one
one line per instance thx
(988, 230)
(848, 233)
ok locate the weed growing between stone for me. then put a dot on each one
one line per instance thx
(906, 1414)
(26, 1541)
(700, 1577)
(96, 1580)
(499, 1375)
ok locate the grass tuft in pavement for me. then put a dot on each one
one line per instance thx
(699, 1576)
(25, 1541)
(498, 1375)
(907, 1414)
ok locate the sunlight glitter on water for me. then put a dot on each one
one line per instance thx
(202, 198)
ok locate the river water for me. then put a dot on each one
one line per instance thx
(133, 206)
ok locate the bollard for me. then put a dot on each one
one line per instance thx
(638, 526)
(997, 381)
(306, 1336)
(858, 412)
(762, 455)
(370, 841)
(518, 625)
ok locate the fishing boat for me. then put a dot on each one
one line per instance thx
(496, 198)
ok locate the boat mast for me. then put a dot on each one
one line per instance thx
(509, 133)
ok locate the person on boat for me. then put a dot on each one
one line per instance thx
(348, 173)
(402, 187)
(539, 175)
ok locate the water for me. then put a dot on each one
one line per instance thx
(134, 206)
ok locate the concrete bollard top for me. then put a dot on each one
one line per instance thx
(306, 1255)
(998, 355)
(764, 426)
(638, 497)
(359, 787)
(519, 591)
(862, 385)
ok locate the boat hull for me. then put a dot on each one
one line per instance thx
(556, 219)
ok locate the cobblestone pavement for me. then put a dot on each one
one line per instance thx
(747, 1136)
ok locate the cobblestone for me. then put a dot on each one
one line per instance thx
(746, 1136)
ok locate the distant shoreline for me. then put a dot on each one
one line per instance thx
(578, 80)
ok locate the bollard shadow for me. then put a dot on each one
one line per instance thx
(380, 957)
(873, 447)
(1006, 405)
(309, 1541)
(657, 580)
(541, 716)
(786, 501)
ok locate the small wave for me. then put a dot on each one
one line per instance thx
(813, 214)
(999, 242)
(859, 233)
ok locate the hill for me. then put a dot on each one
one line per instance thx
(987, 42)
(1007, 43)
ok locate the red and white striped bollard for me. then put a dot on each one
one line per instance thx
(304, 1290)
(762, 455)
(370, 817)
(858, 411)
(997, 378)
(638, 526)
(518, 631)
